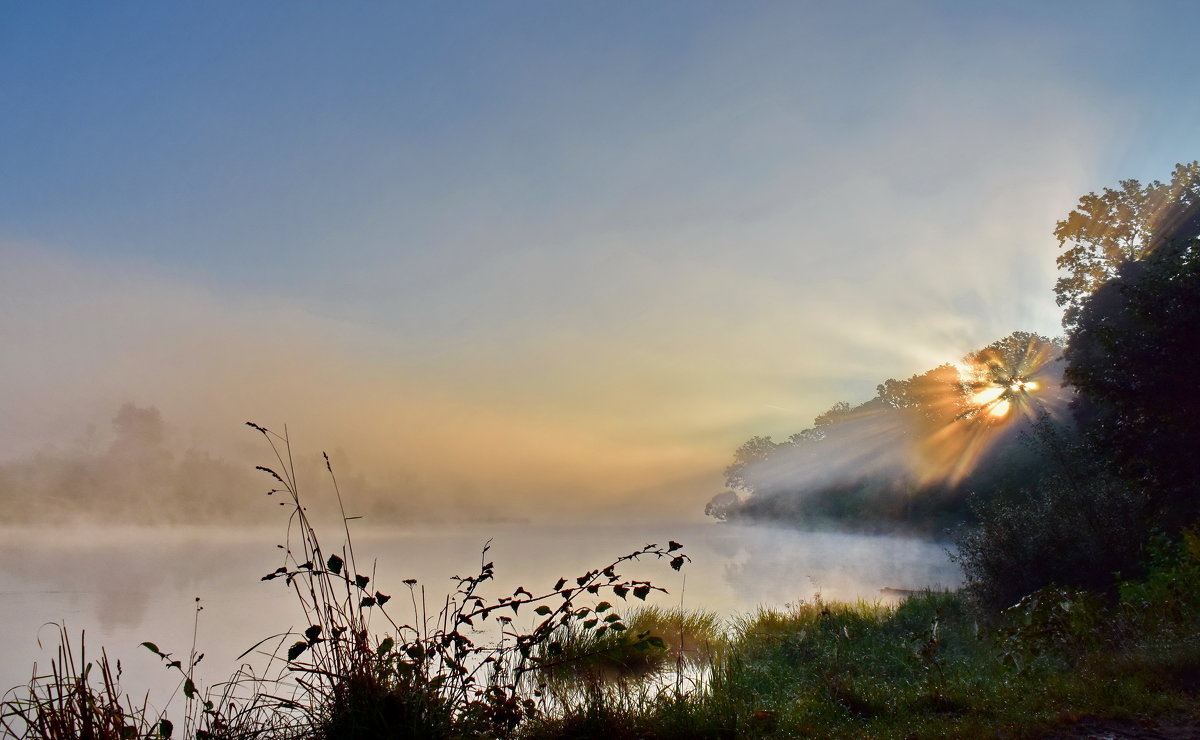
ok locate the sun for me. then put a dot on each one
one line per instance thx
(997, 398)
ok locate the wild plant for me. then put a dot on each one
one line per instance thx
(1054, 622)
(77, 700)
(428, 677)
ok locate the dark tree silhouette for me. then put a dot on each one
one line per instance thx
(1132, 358)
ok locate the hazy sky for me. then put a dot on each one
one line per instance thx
(564, 252)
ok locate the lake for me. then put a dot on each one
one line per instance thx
(124, 586)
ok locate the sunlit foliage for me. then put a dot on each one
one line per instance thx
(1122, 224)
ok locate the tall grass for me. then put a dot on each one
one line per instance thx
(77, 699)
(428, 676)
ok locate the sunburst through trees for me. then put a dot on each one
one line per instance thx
(917, 441)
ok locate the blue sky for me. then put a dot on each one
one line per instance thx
(612, 240)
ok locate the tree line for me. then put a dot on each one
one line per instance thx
(1047, 460)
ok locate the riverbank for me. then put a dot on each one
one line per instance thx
(1061, 664)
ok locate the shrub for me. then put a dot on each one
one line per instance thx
(1068, 533)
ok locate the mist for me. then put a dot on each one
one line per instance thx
(910, 457)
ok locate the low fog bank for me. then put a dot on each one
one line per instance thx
(772, 565)
(141, 473)
(123, 571)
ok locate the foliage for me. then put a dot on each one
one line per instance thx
(1169, 595)
(429, 677)
(655, 640)
(1076, 529)
(1053, 620)
(923, 668)
(1131, 357)
(1121, 225)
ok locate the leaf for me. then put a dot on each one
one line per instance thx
(543, 610)
(189, 688)
(381, 599)
(617, 627)
(165, 728)
(311, 633)
(672, 546)
(657, 642)
(677, 563)
(590, 624)
(641, 592)
(361, 581)
(620, 591)
(335, 564)
(612, 618)
(367, 601)
(561, 582)
(295, 650)
(602, 607)
(152, 648)
(385, 646)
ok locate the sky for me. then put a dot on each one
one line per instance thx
(552, 257)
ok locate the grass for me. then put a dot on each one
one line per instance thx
(77, 698)
(921, 669)
(593, 666)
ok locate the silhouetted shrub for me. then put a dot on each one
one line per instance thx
(1068, 532)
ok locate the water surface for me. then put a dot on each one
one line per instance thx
(124, 586)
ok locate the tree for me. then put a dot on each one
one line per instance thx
(1119, 225)
(755, 450)
(1131, 356)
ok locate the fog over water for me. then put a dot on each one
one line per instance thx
(527, 271)
(127, 585)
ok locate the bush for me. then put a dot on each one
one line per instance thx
(1069, 533)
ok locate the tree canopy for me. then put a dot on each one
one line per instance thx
(1132, 358)
(1118, 225)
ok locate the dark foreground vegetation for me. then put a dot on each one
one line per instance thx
(1076, 516)
(1057, 663)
